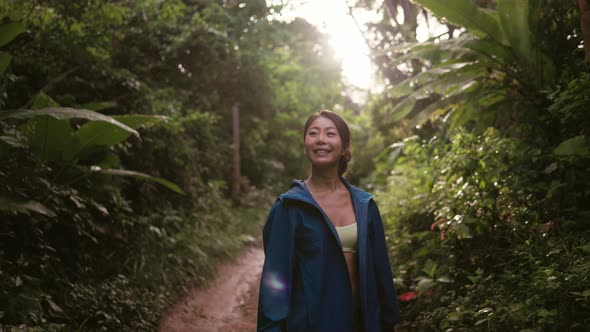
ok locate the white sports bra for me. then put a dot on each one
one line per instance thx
(348, 237)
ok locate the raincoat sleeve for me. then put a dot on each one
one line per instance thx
(275, 284)
(387, 296)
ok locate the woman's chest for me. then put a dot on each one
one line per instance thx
(338, 208)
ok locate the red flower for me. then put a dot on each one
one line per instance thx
(407, 296)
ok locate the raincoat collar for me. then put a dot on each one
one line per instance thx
(360, 201)
(300, 192)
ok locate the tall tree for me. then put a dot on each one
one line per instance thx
(585, 23)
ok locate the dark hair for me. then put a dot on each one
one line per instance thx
(343, 132)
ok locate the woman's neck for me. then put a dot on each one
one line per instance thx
(322, 181)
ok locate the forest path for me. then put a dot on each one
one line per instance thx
(229, 304)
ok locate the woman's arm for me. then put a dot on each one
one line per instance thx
(387, 296)
(277, 273)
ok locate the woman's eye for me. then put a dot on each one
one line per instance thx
(331, 134)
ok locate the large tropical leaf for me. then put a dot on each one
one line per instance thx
(514, 16)
(481, 109)
(25, 207)
(465, 13)
(4, 61)
(42, 100)
(50, 133)
(447, 85)
(443, 51)
(452, 101)
(13, 141)
(465, 48)
(439, 107)
(49, 136)
(496, 54)
(407, 47)
(504, 57)
(66, 113)
(8, 142)
(403, 108)
(137, 121)
(98, 106)
(104, 134)
(453, 81)
(408, 85)
(9, 31)
(143, 176)
(543, 68)
(519, 22)
(110, 160)
(577, 146)
(534, 20)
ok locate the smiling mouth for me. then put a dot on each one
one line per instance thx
(321, 151)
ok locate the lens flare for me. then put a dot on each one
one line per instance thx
(274, 281)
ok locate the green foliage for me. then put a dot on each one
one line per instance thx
(503, 259)
(467, 14)
(24, 207)
(53, 139)
(122, 172)
(110, 267)
(479, 75)
(576, 146)
(4, 61)
(305, 79)
(83, 246)
(118, 274)
(488, 227)
(485, 200)
(489, 175)
(8, 32)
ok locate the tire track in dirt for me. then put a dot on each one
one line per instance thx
(229, 304)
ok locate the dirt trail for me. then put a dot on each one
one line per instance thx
(229, 304)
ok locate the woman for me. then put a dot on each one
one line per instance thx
(326, 267)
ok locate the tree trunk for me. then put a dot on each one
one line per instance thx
(236, 178)
(585, 22)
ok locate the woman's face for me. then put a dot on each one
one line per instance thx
(323, 145)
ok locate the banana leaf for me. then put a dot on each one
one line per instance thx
(466, 13)
(139, 175)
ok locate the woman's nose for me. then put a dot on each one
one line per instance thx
(321, 138)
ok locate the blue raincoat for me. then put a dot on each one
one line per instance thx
(305, 285)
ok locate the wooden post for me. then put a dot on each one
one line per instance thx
(236, 149)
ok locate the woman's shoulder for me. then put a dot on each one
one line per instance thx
(286, 199)
(356, 192)
(297, 191)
